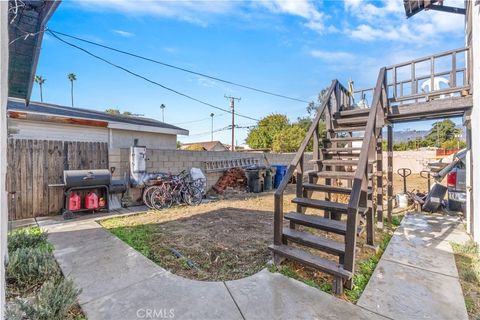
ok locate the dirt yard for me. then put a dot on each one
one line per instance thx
(221, 240)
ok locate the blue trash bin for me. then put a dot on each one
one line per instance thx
(281, 171)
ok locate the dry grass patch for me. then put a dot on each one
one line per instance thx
(218, 241)
(467, 258)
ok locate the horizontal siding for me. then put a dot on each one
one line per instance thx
(24, 129)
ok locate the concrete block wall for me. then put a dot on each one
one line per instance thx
(415, 160)
(174, 161)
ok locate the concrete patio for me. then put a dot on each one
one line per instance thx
(416, 278)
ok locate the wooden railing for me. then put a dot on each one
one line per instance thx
(405, 80)
(360, 196)
(298, 162)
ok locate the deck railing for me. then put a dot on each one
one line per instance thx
(440, 75)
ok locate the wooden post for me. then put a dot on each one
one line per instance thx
(329, 126)
(299, 185)
(316, 150)
(367, 197)
(278, 219)
(453, 76)
(351, 242)
(390, 171)
(379, 183)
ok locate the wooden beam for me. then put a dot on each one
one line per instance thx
(389, 172)
(447, 9)
(55, 119)
(433, 109)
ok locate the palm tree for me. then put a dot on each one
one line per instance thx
(72, 77)
(40, 81)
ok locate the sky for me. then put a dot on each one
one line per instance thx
(291, 47)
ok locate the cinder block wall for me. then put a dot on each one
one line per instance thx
(412, 159)
(174, 161)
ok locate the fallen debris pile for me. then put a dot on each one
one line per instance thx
(233, 178)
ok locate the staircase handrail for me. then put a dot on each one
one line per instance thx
(370, 131)
(278, 200)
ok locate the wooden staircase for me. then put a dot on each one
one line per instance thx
(347, 162)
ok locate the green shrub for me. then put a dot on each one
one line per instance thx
(28, 267)
(26, 237)
(55, 298)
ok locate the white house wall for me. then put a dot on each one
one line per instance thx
(475, 118)
(125, 139)
(25, 129)
(3, 147)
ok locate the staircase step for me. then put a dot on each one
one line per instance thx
(325, 205)
(354, 112)
(352, 121)
(332, 174)
(342, 150)
(334, 226)
(309, 240)
(323, 188)
(340, 162)
(317, 222)
(343, 139)
(348, 129)
(329, 189)
(310, 260)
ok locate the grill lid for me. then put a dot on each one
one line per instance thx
(83, 178)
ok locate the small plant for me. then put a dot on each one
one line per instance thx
(26, 237)
(55, 298)
(29, 267)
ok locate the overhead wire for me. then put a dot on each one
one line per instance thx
(199, 120)
(145, 78)
(181, 68)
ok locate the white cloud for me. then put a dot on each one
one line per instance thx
(386, 21)
(187, 10)
(305, 9)
(332, 55)
(123, 33)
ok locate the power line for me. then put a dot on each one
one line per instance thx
(181, 69)
(199, 120)
(145, 78)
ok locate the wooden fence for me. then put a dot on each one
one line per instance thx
(34, 164)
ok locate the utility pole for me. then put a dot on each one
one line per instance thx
(211, 115)
(232, 106)
(162, 106)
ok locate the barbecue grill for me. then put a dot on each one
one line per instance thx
(99, 179)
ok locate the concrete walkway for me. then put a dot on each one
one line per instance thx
(120, 283)
(416, 277)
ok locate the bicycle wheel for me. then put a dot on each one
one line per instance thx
(147, 194)
(193, 196)
(161, 198)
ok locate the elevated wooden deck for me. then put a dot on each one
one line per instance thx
(430, 110)
(427, 88)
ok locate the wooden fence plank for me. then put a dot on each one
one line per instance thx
(34, 164)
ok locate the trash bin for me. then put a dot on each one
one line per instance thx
(269, 179)
(281, 170)
(256, 178)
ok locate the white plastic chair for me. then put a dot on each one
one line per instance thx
(437, 81)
